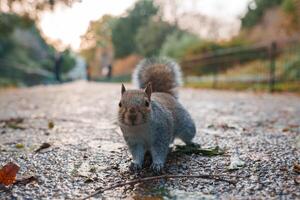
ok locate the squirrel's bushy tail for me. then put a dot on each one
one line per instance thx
(163, 73)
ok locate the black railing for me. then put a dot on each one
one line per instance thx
(214, 67)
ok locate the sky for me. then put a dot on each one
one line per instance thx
(67, 24)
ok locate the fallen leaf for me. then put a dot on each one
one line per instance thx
(285, 130)
(89, 180)
(226, 127)
(297, 168)
(297, 180)
(223, 126)
(26, 180)
(15, 126)
(93, 169)
(50, 124)
(45, 145)
(236, 162)
(196, 149)
(8, 173)
(211, 126)
(17, 120)
(84, 170)
(19, 146)
(293, 125)
(13, 123)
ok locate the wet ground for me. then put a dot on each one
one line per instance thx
(87, 150)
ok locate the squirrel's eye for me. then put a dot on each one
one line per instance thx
(147, 103)
(120, 104)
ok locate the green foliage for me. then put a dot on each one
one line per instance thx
(150, 38)
(68, 61)
(24, 54)
(203, 47)
(98, 33)
(8, 23)
(289, 6)
(125, 29)
(292, 69)
(293, 15)
(6, 45)
(256, 9)
(235, 42)
(177, 44)
(97, 37)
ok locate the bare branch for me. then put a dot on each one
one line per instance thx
(217, 177)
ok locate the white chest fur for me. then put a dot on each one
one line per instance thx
(139, 133)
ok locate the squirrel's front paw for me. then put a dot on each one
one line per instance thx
(157, 168)
(134, 167)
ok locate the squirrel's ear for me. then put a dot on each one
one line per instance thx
(148, 90)
(123, 88)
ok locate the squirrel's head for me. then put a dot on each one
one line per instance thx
(134, 106)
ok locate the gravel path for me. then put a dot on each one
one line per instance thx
(87, 149)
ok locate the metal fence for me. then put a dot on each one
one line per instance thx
(264, 65)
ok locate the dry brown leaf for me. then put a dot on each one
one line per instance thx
(297, 168)
(26, 180)
(285, 130)
(50, 124)
(45, 145)
(8, 173)
(14, 123)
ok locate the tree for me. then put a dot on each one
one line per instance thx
(291, 8)
(23, 14)
(177, 44)
(125, 28)
(96, 44)
(68, 61)
(256, 9)
(23, 51)
(31, 9)
(150, 38)
(98, 34)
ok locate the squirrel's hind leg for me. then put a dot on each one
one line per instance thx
(185, 129)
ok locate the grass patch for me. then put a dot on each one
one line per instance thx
(238, 86)
(116, 79)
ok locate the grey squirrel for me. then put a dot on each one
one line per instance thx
(151, 117)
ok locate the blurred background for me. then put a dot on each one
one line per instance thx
(237, 44)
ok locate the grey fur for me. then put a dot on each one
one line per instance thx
(167, 120)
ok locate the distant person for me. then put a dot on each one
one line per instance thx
(109, 71)
(57, 67)
(88, 73)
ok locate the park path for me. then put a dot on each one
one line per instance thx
(87, 150)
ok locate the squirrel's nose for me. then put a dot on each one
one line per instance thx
(131, 110)
(132, 117)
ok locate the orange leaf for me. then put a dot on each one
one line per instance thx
(8, 173)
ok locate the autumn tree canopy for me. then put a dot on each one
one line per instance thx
(31, 9)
